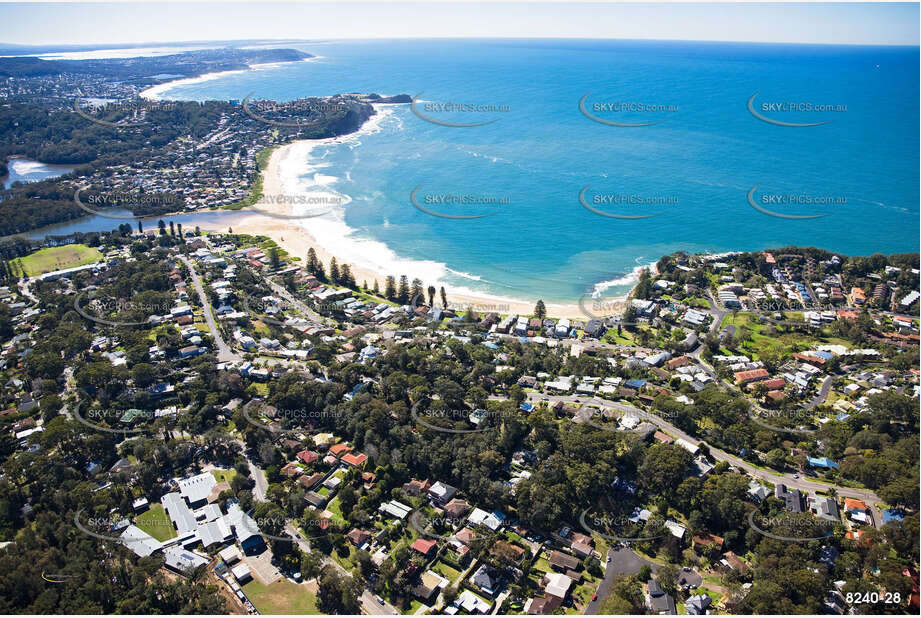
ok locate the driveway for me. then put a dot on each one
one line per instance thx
(624, 561)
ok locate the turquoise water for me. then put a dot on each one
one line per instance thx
(541, 151)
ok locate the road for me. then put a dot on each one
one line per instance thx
(224, 352)
(820, 397)
(258, 475)
(370, 605)
(623, 561)
(767, 475)
(296, 303)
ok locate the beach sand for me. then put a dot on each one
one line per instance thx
(295, 237)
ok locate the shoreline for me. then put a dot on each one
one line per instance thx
(297, 239)
(153, 93)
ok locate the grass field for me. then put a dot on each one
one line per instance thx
(223, 475)
(155, 522)
(282, 597)
(57, 258)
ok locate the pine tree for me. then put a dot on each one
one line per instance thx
(417, 293)
(540, 310)
(390, 288)
(403, 294)
(140, 227)
(377, 288)
(333, 271)
(444, 298)
(312, 261)
(431, 292)
(172, 228)
(346, 276)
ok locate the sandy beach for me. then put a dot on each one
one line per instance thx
(294, 235)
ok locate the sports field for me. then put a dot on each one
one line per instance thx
(56, 258)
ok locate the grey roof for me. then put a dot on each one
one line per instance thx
(139, 541)
(826, 508)
(698, 604)
(214, 532)
(198, 487)
(182, 560)
(179, 512)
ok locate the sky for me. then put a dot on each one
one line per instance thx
(119, 23)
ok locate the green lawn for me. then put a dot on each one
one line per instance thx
(57, 258)
(155, 522)
(223, 475)
(282, 597)
(449, 573)
(333, 507)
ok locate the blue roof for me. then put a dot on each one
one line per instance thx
(523, 339)
(635, 383)
(842, 417)
(822, 462)
(490, 345)
(527, 407)
(893, 515)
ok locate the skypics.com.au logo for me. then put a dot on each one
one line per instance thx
(620, 113)
(103, 203)
(466, 313)
(461, 202)
(434, 527)
(793, 528)
(111, 311)
(802, 202)
(131, 114)
(284, 420)
(118, 421)
(299, 206)
(623, 528)
(458, 421)
(298, 114)
(426, 110)
(767, 111)
(630, 206)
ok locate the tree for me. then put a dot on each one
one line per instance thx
(390, 288)
(334, 270)
(664, 467)
(431, 291)
(540, 310)
(338, 594)
(416, 292)
(312, 262)
(274, 260)
(403, 293)
(444, 298)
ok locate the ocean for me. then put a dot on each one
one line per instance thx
(692, 165)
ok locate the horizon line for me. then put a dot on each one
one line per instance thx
(171, 43)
